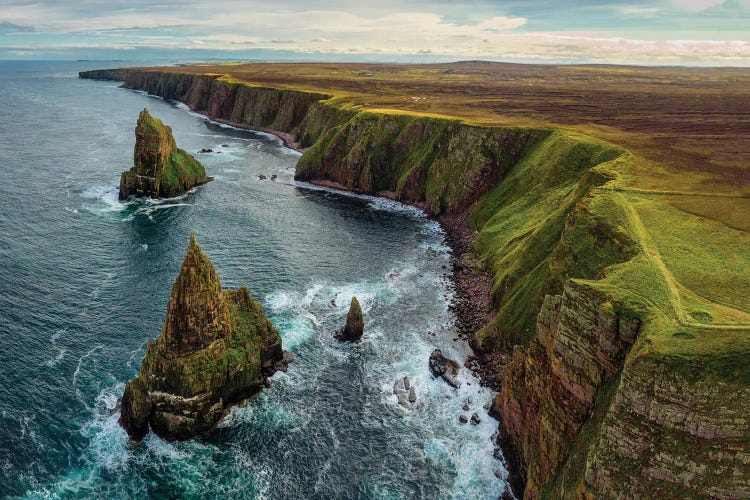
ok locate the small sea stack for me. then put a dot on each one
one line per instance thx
(355, 325)
(445, 368)
(216, 349)
(160, 168)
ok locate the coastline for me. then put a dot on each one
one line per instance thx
(286, 139)
(471, 304)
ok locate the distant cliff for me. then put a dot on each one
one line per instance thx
(600, 398)
(161, 169)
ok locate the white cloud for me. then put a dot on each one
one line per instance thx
(349, 28)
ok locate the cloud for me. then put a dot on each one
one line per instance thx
(541, 30)
(8, 26)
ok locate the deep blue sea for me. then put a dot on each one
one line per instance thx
(84, 284)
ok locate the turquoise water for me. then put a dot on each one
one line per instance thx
(84, 283)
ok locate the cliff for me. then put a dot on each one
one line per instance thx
(215, 349)
(628, 373)
(161, 169)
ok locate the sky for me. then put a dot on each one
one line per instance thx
(657, 32)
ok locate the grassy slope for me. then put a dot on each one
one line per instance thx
(182, 173)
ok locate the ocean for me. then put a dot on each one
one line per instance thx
(84, 284)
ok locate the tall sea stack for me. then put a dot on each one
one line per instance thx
(161, 169)
(216, 348)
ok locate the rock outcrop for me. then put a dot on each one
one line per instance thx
(161, 169)
(446, 368)
(405, 392)
(550, 387)
(355, 325)
(216, 349)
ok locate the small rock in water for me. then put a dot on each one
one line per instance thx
(466, 407)
(397, 386)
(225, 145)
(273, 177)
(475, 419)
(283, 364)
(463, 419)
(206, 150)
(405, 392)
(262, 177)
(440, 366)
(355, 325)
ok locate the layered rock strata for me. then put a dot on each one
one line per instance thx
(160, 168)
(216, 349)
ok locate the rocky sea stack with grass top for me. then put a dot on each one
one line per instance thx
(160, 168)
(216, 349)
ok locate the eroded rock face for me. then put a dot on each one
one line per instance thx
(355, 325)
(440, 366)
(216, 348)
(160, 168)
(550, 387)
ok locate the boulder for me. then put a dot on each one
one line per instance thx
(216, 348)
(160, 168)
(405, 392)
(355, 325)
(440, 366)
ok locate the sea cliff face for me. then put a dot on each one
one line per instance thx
(260, 107)
(550, 386)
(414, 159)
(589, 406)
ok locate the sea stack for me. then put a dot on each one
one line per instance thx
(216, 348)
(161, 169)
(355, 325)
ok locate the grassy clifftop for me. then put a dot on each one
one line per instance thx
(615, 232)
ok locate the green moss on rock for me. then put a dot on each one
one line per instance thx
(161, 169)
(216, 348)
